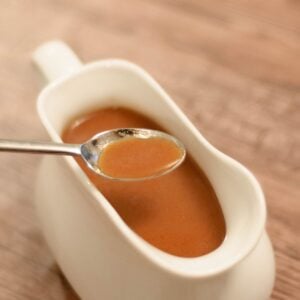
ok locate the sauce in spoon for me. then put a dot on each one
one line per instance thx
(139, 157)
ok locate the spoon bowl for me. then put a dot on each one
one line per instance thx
(92, 150)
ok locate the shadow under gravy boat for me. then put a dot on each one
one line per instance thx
(99, 254)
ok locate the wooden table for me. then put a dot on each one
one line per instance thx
(232, 66)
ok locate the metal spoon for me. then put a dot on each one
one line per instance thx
(91, 150)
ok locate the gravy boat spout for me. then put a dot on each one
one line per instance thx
(99, 254)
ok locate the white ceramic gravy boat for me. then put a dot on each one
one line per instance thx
(99, 254)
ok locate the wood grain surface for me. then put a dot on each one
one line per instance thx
(232, 66)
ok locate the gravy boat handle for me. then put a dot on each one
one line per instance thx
(55, 59)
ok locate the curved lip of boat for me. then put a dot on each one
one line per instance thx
(207, 265)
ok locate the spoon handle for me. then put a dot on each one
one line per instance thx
(39, 147)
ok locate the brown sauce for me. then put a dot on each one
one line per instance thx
(138, 158)
(178, 213)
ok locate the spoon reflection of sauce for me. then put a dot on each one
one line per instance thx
(138, 158)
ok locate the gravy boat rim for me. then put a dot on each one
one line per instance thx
(142, 247)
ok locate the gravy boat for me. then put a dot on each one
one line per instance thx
(98, 253)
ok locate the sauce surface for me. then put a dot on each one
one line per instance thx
(138, 157)
(178, 213)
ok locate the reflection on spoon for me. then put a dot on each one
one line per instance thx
(127, 154)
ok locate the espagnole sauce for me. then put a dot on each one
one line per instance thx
(138, 157)
(178, 213)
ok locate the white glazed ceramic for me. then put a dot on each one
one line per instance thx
(101, 257)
